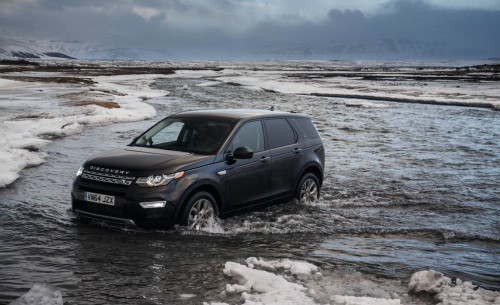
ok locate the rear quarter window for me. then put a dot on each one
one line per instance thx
(305, 128)
(280, 133)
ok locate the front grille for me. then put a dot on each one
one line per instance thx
(107, 177)
(112, 191)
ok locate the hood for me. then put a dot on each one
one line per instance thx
(144, 161)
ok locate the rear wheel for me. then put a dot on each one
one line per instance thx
(200, 212)
(308, 189)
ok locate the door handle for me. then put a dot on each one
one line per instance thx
(264, 159)
(297, 150)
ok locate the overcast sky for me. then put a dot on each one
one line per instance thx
(239, 26)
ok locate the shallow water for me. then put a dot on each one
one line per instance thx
(408, 187)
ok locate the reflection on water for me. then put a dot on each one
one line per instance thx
(399, 256)
(407, 187)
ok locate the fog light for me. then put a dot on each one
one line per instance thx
(153, 204)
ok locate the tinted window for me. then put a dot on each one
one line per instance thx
(280, 133)
(306, 128)
(185, 134)
(250, 135)
(168, 134)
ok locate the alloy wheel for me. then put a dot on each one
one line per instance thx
(201, 215)
(309, 191)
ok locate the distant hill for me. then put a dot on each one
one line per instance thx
(14, 48)
(377, 49)
(22, 48)
(386, 49)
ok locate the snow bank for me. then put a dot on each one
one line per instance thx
(40, 295)
(258, 287)
(23, 133)
(447, 293)
(280, 282)
(284, 282)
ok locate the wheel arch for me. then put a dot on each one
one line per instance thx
(313, 169)
(203, 186)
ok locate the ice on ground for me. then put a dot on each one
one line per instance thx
(40, 294)
(38, 112)
(428, 281)
(289, 282)
(209, 84)
(347, 82)
(449, 293)
(279, 282)
(294, 267)
(365, 104)
(350, 300)
(262, 287)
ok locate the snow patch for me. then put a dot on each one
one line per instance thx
(347, 84)
(40, 294)
(296, 268)
(351, 300)
(261, 287)
(285, 281)
(24, 130)
(280, 282)
(428, 281)
(447, 293)
(209, 84)
(365, 104)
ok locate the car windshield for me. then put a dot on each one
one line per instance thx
(190, 135)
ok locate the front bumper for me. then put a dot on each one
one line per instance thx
(115, 220)
(126, 209)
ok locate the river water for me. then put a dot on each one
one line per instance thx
(408, 187)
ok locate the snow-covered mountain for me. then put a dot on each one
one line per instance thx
(22, 48)
(15, 48)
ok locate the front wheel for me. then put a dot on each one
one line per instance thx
(308, 189)
(200, 211)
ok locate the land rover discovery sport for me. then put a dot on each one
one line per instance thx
(194, 166)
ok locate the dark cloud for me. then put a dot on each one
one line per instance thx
(347, 16)
(221, 28)
(405, 28)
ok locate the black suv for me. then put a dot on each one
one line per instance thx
(195, 165)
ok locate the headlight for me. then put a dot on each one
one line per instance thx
(158, 180)
(79, 172)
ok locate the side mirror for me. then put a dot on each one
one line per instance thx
(243, 153)
(239, 153)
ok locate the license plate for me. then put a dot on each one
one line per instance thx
(99, 198)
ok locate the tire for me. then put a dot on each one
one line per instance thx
(308, 189)
(200, 211)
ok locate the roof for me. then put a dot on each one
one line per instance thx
(237, 114)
